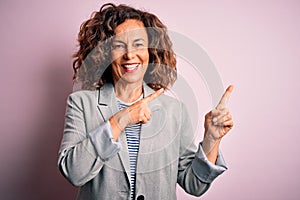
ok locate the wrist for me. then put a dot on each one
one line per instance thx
(122, 119)
(209, 143)
(210, 137)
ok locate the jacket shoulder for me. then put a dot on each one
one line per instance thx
(83, 96)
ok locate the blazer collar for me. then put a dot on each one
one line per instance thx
(107, 95)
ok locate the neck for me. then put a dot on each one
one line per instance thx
(128, 92)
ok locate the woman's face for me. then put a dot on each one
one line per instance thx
(130, 56)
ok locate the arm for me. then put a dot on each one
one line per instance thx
(195, 171)
(82, 154)
(217, 124)
(208, 163)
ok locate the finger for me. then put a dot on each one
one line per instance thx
(219, 112)
(225, 97)
(224, 110)
(222, 119)
(228, 124)
(219, 115)
(215, 113)
(148, 114)
(143, 120)
(153, 96)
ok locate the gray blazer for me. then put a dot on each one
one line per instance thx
(90, 159)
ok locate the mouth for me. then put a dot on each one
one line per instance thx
(130, 67)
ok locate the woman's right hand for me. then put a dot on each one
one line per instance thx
(138, 112)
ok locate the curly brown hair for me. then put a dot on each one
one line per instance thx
(92, 63)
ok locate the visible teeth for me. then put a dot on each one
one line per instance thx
(131, 67)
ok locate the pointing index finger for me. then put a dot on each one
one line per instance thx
(225, 97)
(153, 96)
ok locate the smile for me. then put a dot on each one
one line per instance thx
(129, 68)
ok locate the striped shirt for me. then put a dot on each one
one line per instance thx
(133, 142)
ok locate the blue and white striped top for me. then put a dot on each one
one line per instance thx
(133, 142)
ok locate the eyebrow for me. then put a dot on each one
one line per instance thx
(139, 39)
(136, 40)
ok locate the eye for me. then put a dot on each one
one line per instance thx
(118, 46)
(139, 45)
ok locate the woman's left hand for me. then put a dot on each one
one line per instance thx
(217, 122)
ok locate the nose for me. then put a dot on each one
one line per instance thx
(129, 54)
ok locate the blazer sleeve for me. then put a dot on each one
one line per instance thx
(195, 172)
(82, 154)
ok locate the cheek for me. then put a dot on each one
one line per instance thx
(116, 70)
(115, 61)
(115, 57)
(145, 57)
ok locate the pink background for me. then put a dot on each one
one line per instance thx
(255, 45)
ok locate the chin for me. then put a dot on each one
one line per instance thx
(132, 80)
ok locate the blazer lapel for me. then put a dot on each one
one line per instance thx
(148, 132)
(107, 106)
(149, 129)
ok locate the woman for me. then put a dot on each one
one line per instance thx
(123, 138)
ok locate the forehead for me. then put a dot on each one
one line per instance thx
(131, 29)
